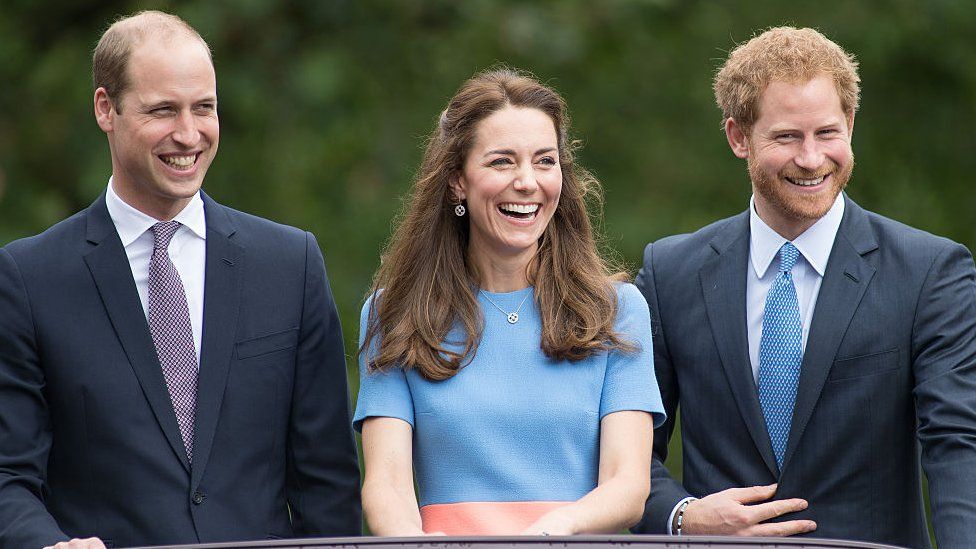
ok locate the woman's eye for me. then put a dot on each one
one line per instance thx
(500, 162)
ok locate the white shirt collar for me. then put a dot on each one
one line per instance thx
(131, 223)
(814, 244)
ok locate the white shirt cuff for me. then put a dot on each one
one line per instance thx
(671, 516)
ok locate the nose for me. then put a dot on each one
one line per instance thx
(525, 179)
(186, 133)
(810, 156)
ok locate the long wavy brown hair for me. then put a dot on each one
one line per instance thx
(428, 284)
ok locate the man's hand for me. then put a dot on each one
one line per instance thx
(90, 543)
(727, 513)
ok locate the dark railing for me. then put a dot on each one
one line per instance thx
(540, 542)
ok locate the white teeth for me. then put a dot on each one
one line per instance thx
(180, 161)
(519, 208)
(807, 182)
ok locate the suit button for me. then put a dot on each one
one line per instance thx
(198, 497)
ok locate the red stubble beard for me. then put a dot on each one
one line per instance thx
(796, 205)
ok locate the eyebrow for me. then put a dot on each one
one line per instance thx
(781, 129)
(512, 152)
(156, 105)
(170, 103)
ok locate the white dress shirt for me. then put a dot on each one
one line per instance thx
(764, 243)
(187, 251)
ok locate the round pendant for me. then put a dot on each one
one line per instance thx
(512, 318)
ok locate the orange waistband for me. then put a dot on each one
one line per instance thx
(484, 518)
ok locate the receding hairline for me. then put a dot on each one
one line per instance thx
(148, 25)
(110, 60)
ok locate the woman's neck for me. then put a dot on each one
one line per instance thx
(500, 274)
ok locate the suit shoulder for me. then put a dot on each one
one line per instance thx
(261, 226)
(908, 240)
(63, 234)
(688, 246)
(268, 238)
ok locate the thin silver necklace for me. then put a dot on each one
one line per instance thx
(513, 316)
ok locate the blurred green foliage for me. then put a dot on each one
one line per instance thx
(325, 107)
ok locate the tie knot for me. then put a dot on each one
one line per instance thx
(788, 255)
(163, 232)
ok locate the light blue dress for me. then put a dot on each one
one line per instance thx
(514, 432)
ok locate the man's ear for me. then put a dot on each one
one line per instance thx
(104, 110)
(738, 140)
(850, 125)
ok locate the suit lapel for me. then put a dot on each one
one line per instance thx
(723, 282)
(845, 279)
(221, 302)
(109, 267)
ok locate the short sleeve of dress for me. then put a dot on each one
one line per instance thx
(630, 383)
(381, 394)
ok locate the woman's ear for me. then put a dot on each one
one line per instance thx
(457, 185)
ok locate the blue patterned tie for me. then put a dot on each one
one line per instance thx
(780, 353)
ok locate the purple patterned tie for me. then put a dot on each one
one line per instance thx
(169, 325)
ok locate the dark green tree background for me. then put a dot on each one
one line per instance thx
(325, 107)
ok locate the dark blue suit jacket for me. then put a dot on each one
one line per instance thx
(89, 444)
(889, 368)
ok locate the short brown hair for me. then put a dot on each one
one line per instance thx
(428, 285)
(782, 54)
(111, 57)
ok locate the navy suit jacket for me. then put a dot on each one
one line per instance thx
(889, 369)
(89, 444)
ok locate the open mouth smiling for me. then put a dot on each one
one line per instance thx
(519, 211)
(813, 182)
(179, 162)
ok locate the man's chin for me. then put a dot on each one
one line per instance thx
(176, 193)
(809, 208)
(179, 188)
(182, 194)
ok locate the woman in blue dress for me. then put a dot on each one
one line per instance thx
(502, 362)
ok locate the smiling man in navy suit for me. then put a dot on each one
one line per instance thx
(817, 351)
(171, 370)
